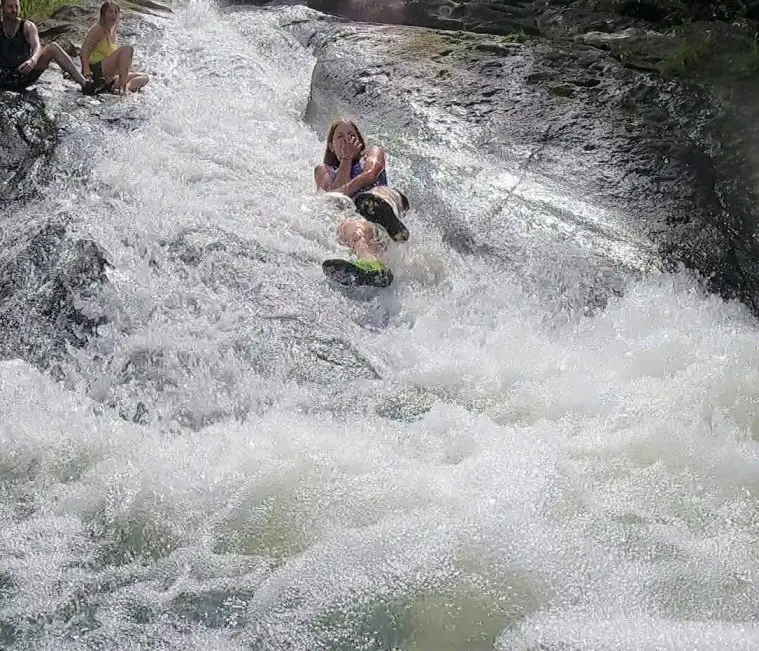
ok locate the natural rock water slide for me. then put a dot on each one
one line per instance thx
(541, 437)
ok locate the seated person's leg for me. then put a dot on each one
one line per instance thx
(136, 81)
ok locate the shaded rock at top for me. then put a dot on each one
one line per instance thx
(547, 17)
(487, 16)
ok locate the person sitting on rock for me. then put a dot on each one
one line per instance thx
(353, 169)
(22, 57)
(103, 60)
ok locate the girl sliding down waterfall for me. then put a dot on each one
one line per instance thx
(357, 171)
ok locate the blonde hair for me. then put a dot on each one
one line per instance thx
(106, 6)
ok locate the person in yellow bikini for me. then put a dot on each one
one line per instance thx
(103, 60)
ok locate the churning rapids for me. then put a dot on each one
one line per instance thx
(244, 458)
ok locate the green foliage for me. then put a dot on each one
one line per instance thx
(40, 9)
(697, 55)
(673, 13)
(746, 63)
(520, 37)
(688, 55)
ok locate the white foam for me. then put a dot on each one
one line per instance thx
(586, 483)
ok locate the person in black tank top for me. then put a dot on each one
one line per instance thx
(14, 50)
(23, 59)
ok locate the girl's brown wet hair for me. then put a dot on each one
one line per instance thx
(108, 4)
(330, 158)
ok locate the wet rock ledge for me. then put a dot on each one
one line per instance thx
(645, 109)
(49, 281)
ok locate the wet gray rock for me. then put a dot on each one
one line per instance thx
(579, 133)
(27, 138)
(50, 288)
(655, 161)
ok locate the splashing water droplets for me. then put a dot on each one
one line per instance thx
(246, 458)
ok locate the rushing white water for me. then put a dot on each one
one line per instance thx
(448, 467)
